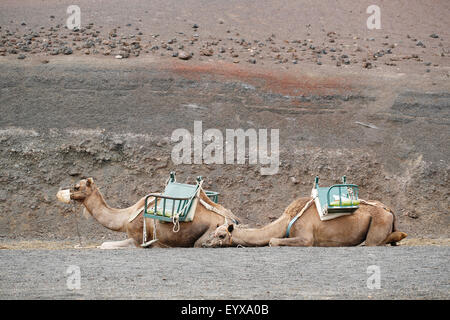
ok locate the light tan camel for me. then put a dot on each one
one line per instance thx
(374, 224)
(129, 220)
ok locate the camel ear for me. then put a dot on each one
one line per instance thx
(230, 228)
(89, 182)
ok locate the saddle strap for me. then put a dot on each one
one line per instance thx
(214, 209)
(307, 205)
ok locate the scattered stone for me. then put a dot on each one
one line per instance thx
(21, 56)
(118, 56)
(183, 55)
(195, 26)
(67, 50)
(252, 61)
(420, 44)
(413, 214)
(367, 65)
(124, 54)
(434, 36)
(293, 180)
(206, 52)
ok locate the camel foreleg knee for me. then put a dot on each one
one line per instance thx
(122, 244)
(291, 242)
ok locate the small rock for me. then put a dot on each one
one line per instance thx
(413, 214)
(21, 56)
(434, 36)
(420, 44)
(206, 52)
(367, 65)
(67, 50)
(293, 180)
(183, 55)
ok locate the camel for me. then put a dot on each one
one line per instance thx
(130, 220)
(372, 222)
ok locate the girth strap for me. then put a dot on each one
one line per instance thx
(307, 205)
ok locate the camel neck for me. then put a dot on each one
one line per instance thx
(111, 218)
(257, 237)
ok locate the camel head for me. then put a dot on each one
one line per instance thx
(221, 237)
(79, 192)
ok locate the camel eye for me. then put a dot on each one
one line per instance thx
(221, 236)
(77, 187)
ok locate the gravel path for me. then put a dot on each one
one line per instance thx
(244, 273)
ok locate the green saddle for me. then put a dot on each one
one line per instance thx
(178, 199)
(336, 200)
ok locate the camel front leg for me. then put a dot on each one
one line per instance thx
(291, 242)
(122, 244)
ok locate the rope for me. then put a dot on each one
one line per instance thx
(176, 222)
(76, 224)
(213, 209)
(144, 231)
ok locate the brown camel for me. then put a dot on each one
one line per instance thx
(372, 223)
(130, 220)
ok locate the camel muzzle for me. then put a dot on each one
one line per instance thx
(63, 195)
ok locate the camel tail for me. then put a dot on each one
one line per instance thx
(395, 236)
